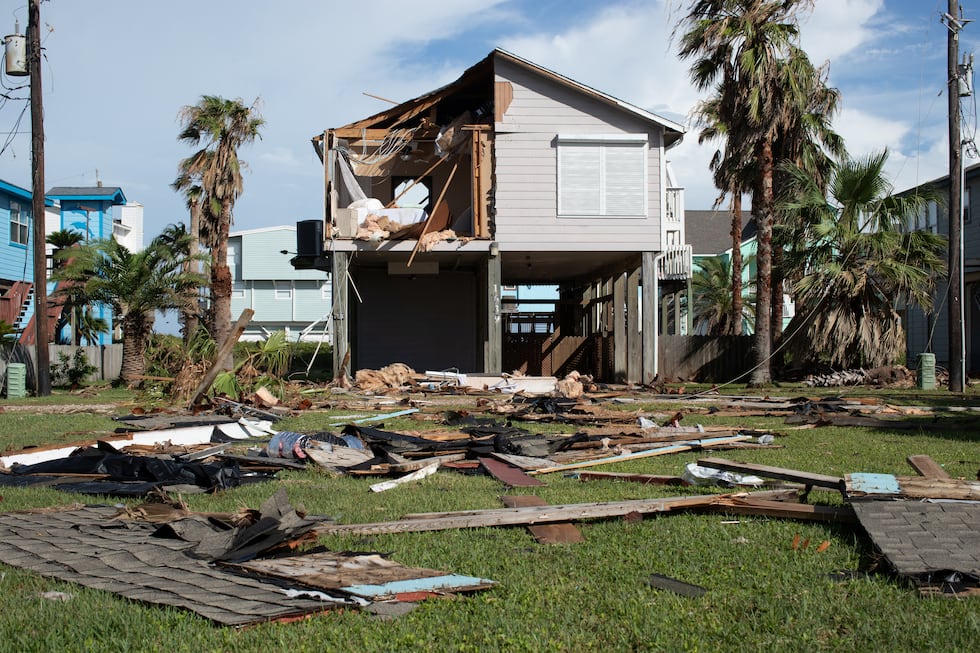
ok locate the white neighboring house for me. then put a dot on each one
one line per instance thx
(283, 298)
(127, 226)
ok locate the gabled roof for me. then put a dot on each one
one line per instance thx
(22, 193)
(111, 194)
(710, 232)
(480, 76)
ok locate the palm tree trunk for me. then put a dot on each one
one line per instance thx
(134, 341)
(191, 316)
(761, 373)
(221, 283)
(777, 294)
(737, 263)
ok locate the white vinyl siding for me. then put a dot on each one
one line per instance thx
(602, 176)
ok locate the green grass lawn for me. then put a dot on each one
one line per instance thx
(761, 593)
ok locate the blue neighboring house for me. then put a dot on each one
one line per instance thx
(89, 210)
(17, 257)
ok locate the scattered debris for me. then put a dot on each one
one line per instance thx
(662, 582)
(558, 533)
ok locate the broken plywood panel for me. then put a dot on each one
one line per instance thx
(370, 576)
(561, 533)
(886, 486)
(509, 474)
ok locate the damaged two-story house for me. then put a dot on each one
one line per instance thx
(527, 178)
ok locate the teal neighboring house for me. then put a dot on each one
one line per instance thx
(710, 235)
(283, 298)
(91, 211)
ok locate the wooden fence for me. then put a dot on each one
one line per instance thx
(106, 358)
(705, 359)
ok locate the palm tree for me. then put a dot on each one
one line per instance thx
(134, 284)
(71, 314)
(713, 299)
(221, 126)
(806, 141)
(859, 264)
(187, 244)
(739, 47)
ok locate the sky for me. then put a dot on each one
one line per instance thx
(116, 74)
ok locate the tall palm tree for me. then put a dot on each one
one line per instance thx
(186, 183)
(221, 126)
(714, 297)
(859, 265)
(134, 284)
(806, 141)
(738, 47)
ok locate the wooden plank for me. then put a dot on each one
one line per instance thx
(784, 510)
(645, 479)
(509, 474)
(924, 465)
(518, 516)
(911, 487)
(806, 478)
(563, 533)
(223, 354)
(409, 478)
(660, 451)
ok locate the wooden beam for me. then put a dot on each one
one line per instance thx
(806, 478)
(340, 327)
(224, 352)
(442, 195)
(620, 347)
(517, 516)
(748, 505)
(493, 345)
(634, 363)
(659, 451)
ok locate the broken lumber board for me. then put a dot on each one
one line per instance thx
(517, 516)
(222, 360)
(784, 510)
(561, 533)
(909, 487)
(806, 478)
(413, 465)
(646, 479)
(509, 474)
(925, 466)
(659, 451)
(418, 474)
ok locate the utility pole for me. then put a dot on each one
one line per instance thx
(957, 363)
(43, 369)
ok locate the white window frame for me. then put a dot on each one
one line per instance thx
(238, 289)
(282, 290)
(587, 175)
(19, 224)
(326, 289)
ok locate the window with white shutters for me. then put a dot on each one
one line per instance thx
(602, 175)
